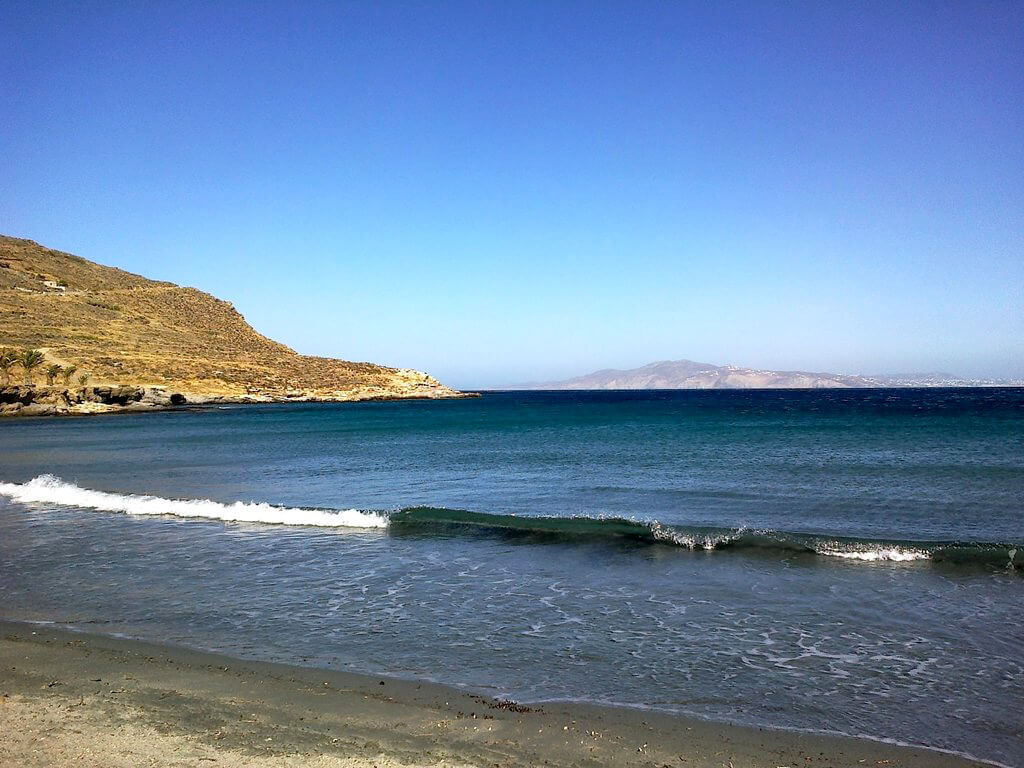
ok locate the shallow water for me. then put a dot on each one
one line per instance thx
(862, 576)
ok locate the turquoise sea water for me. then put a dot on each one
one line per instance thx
(850, 561)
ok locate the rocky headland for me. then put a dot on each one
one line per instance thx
(139, 344)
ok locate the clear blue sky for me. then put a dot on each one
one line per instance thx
(504, 192)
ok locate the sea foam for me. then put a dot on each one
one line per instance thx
(53, 490)
(891, 554)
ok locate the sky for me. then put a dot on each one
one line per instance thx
(510, 192)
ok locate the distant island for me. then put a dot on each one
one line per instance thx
(687, 374)
(108, 339)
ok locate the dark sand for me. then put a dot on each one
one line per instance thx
(71, 699)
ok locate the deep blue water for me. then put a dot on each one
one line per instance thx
(838, 560)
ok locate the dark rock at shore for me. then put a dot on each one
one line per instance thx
(38, 409)
(141, 406)
(28, 400)
(112, 395)
(19, 394)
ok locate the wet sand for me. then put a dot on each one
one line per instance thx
(73, 699)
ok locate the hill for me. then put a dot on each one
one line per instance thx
(123, 329)
(687, 374)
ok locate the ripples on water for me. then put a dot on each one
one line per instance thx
(922, 651)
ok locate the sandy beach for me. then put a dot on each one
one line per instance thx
(68, 698)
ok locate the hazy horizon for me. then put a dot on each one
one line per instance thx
(502, 193)
(626, 369)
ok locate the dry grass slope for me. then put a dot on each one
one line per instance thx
(123, 328)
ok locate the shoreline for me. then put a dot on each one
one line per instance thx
(113, 399)
(71, 698)
(23, 402)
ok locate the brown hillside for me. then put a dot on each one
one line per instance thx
(122, 328)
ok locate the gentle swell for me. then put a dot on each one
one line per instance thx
(433, 521)
(430, 520)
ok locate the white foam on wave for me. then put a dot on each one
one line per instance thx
(891, 554)
(869, 553)
(706, 542)
(48, 489)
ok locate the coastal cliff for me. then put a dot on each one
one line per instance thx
(135, 342)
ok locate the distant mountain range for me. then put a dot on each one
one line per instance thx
(687, 374)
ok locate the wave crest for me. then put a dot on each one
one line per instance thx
(53, 490)
(434, 521)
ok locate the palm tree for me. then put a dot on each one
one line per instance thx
(52, 372)
(30, 359)
(67, 373)
(8, 359)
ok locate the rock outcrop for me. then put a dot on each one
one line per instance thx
(24, 400)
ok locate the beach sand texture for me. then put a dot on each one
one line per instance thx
(72, 699)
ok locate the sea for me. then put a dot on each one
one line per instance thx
(845, 561)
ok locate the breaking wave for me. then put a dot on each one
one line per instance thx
(433, 521)
(53, 490)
